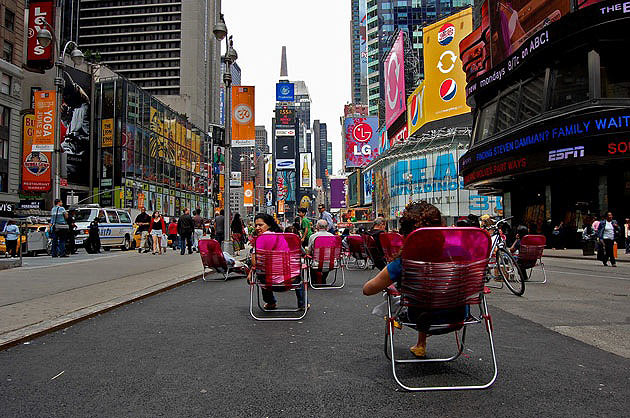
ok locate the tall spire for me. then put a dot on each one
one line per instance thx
(284, 73)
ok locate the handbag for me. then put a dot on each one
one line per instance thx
(57, 227)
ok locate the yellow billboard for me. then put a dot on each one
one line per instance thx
(415, 109)
(445, 80)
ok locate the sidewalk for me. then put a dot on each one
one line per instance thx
(576, 254)
(38, 299)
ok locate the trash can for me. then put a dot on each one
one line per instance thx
(588, 247)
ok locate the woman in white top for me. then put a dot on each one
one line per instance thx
(607, 231)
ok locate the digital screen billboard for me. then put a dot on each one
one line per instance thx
(361, 141)
(337, 193)
(285, 92)
(285, 117)
(368, 186)
(394, 73)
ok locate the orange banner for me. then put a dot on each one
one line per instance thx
(44, 138)
(248, 192)
(35, 165)
(243, 129)
(280, 207)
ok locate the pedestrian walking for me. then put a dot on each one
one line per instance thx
(626, 235)
(11, 234)
(305, 227)
(172, 234)
(198, 223)
(185, 228)
(219, 226)
(143, 220)
(237, 230)
(59, 229)
(325, 215)
(607, 231)
(93, 243)
(157, 228)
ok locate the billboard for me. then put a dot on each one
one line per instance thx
(268, 171)
(285, 92)
(36, 172)
(353, 189)
(415, 107)
(361, 141)
(243, 120)
(38, 57)
(337, 193)
(75, 124)
(248, 193)
(235, 178)
(383, 140)
(445, 81)
(285, 185)
(473, 49)
(394, 73)
(44, 138)
(368, 186)
(306, 170)
(285, 117)
(218, 160)
(285, 153)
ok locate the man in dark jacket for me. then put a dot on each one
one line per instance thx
(185, 227)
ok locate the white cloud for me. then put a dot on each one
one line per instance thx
(317, 36)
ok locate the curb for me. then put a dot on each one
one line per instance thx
(31, 332)
(588, 257)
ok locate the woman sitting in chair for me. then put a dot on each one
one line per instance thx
(266, 224)
(416, 215)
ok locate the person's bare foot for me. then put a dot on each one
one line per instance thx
(418, 351)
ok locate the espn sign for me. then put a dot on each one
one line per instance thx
(566, 153)
(38, 57)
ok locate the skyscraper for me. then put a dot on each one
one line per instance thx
(146, 42)
(358, 49)
(410, 16)
(303, 113)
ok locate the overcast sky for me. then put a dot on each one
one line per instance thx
(317, 37)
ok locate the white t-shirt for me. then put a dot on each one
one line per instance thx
(609, 231)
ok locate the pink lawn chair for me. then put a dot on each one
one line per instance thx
(326, 258)
(392, 243)
(212, 258)
(357, 251)
(530, 255)
(443, 271)
(279, 268)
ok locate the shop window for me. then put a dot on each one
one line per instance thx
(5, 84)
(486, 122)
(570, 82)
(532, 96)
(615, 78)
(506, 111)
(9, 19)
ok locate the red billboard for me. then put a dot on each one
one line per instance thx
(38, 57)
(394, 68)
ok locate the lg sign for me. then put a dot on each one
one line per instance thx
(362, 133)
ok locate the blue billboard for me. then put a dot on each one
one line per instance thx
(285, 92)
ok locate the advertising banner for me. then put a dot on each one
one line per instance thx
(473, 49)
(445, 81)
(243, 120)
(285, 153)
(36, 172)
(107, 133)
(44, 139)
(38, 57)
(285, 117)
(285, 185)
(248, 193)
(368, 186)
(415, 109)
(394, 69)
(383, 140)
(280, 207)
(304, 199)
(306, 170)
(268, 171)
(353, 189)
(285, 92)
(362, 141)
(337, 193)
(218, 160)
(235, 178)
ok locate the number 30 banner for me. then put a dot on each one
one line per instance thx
(243, 121)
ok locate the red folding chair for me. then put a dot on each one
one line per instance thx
(357, 251)
(443, 276)
(326, 258)
(279, 268)
(212, 258)
(392, 243)
(530, 255)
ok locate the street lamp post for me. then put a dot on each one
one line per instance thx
(45, 37)
(220, 32)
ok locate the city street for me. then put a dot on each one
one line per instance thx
(195, 351)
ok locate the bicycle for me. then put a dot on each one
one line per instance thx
(502, 261)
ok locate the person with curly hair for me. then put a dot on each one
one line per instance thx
(416, 215)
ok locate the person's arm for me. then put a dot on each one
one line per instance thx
(377, 284)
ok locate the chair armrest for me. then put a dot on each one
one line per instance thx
(392, 291)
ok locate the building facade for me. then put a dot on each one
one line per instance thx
(358, 51)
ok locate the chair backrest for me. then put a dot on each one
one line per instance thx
(444, 267)
(211, 254)
(531, 250)
(355, 246)
(392, 243)
(326, 251)
(278, 258)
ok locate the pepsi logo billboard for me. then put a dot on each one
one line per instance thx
(448, 89)
(446, 34)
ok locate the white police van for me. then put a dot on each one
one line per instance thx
(115, 226)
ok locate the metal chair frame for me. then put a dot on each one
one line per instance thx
(338, 264)
(530, 256)
(484, 316)
(292, 287)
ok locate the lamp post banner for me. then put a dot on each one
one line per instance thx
(75, 124)
(248, 193)
(44, 139)
(243, 119)
(36, 173)
(37, 56)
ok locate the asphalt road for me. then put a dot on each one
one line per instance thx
(194, 351)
